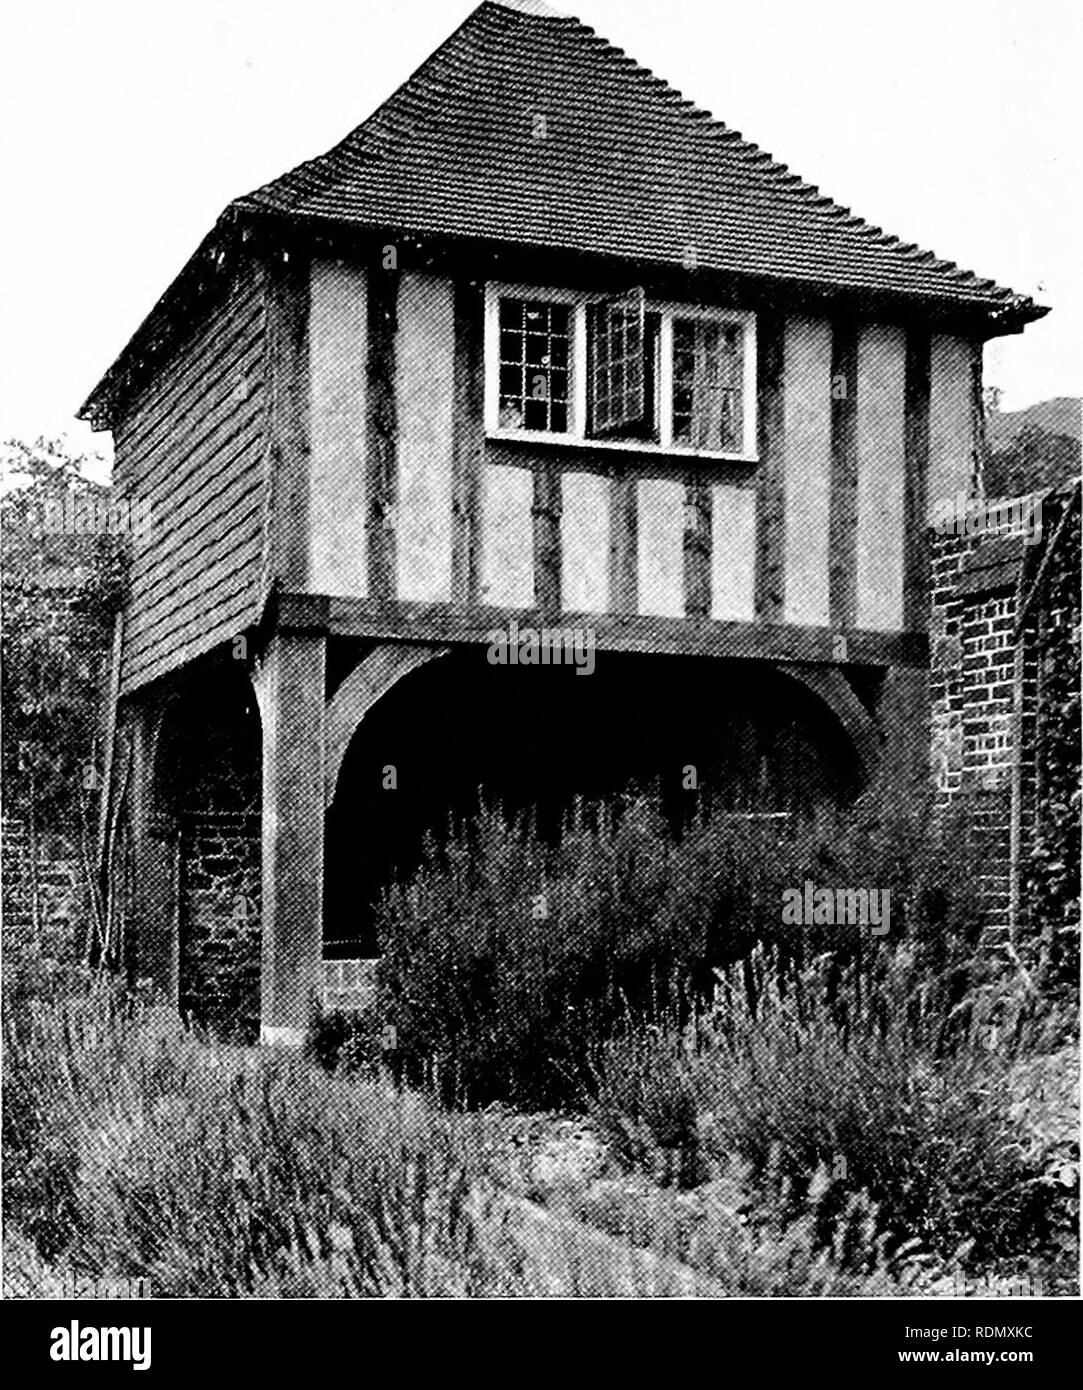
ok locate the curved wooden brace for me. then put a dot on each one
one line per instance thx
(371, 678)
(836, 692)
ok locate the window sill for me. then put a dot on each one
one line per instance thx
(627, 446)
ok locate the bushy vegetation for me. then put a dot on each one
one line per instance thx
(508, 958)
(134, 1151)
(877, 1080)
(50, 672)
(785, 1111)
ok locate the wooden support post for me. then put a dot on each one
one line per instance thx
(290, 686)
(468, 439)
(153, 845)
(903, 713)
(546, 511)
(381, 430)
(697, 548)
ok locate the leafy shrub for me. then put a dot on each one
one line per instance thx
(348, 1041)
(508, 959)
(505, 955)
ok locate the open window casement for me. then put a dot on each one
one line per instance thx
(620, 371)
(618, 387)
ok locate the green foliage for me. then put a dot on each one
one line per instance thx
(1035, 458)
(504, 952)
(755, 1239)
(346, 1041)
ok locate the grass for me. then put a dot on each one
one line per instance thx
(786, 1115)
(890, 1093)
(132, 1150)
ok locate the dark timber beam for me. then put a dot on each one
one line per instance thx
(915, 501)
(437, 623)
(770, 578)
(288, 304)
(836, 692)
(468, 439)
(843, 503)
(381, 430)
(372, 677)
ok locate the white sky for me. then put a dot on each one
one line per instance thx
(127, 125)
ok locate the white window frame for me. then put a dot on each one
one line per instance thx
(576, 435)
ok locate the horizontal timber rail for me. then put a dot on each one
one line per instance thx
(393, 620)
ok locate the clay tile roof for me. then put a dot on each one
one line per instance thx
(627, 168)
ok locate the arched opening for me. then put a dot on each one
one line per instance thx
(208, 785)
(755, 741)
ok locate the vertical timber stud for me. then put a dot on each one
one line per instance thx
(843, 509)
(290, 687)
(381, 430)
(468, 441)
(770, 499)
(903, 713)
(697, 548)
(916, 427)
(547, 508)
(977, 434)
(288, 318)
(290, 684)
(623, 545)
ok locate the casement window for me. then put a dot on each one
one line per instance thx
(620, 371)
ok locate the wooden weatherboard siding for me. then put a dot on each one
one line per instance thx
(191, 444)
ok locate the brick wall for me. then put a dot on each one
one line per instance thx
(54, 874)
(984, 691)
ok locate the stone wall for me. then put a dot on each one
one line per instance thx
(220, 921)
(211, 772)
